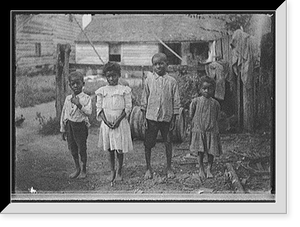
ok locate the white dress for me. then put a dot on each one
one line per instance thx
(113, 100)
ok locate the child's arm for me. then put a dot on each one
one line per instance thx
(86, 106)
(103, 117)
(176, 106)
(192, 110)
(116, 124)
(144, 102)
(128, 106)
(145, 96)
(99, 109)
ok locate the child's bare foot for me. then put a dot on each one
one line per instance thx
(202, 175)
(209, 174)
(82, 175)
(119, 176)
(148, 175)
(75, 174)
(170, 174)
(112, 176)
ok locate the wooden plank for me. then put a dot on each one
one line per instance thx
(234, 179)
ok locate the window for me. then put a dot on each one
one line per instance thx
(38, 49)
(199, 51)
(115, 52)
(172, 58)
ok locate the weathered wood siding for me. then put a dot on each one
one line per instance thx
(48, 30)
(66, 30)
(36, 30)
(85, 53)
(138, 53)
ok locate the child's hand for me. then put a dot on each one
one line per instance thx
(172, 123)
(116, 124)
(109, 124)
(145, 123)
(64, 136)
(75, 100)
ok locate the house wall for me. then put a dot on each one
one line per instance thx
(85, 53)
(36, 30)
(138, 54)
(131, 54)
(66, 30)
(48, 30)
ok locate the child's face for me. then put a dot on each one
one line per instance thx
(112, 78)
(207, 90)
(76, 84)
(159, 65)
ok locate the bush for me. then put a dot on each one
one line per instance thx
(49, 126)
(24, 93)
(188, 87)
(34, 90)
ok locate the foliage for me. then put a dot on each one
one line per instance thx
(34, 90)
(236, 21)
(188, 87)
(49, 126)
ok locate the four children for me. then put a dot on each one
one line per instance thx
(160, 104)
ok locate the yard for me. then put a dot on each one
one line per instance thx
(43, 163)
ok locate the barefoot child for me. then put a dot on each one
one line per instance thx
(160, 105)
(204, 113)
(74, 122)
(113, 107)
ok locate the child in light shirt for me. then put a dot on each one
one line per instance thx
(74, 122)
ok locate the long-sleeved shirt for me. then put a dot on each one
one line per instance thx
(71, 112)
(160, 98)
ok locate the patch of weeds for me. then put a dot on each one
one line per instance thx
(50, 126)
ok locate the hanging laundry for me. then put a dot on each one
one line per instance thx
(216, 71)
(242, 56)
(211, 52)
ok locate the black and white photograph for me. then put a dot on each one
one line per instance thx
(165, 107)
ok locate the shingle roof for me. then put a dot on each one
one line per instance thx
(140, 28)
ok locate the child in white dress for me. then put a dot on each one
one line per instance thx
(113, 107)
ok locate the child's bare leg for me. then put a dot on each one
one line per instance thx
(77, 166)
(209, 167)
(112, 165)
(120, 157)
(148, 174)
(170, 173)
(201, 166)
(84, 161)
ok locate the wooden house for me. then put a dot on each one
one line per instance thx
(37, 36)
(132, 39)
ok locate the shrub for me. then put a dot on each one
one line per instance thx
(24, 92)
(188, 87)
(31, 91)
(49, 126)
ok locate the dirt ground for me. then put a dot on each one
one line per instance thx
(44, 163)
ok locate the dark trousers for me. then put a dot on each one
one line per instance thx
(152, 131)
(77, 133)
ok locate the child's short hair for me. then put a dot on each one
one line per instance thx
(112, 66)
(161, 55)
(207, 79)
(76, 74)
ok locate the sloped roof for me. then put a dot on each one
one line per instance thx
(141, 27)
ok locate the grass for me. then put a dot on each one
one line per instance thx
(31, 91)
